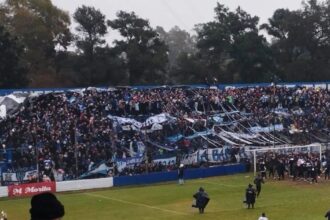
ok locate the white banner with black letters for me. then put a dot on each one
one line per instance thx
(215, 155)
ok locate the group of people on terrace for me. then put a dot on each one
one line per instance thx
(73, 131)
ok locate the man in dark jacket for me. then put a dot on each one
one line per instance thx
(280, 168)
(202, 199)
(258, 181)
(250, 195)
(327, 215)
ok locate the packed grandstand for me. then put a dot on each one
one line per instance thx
(94, 132)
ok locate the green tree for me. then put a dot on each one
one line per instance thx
(106, 68)
(188, 69)
(94, 63)
(144, 52)
(227, 46)
(42, 28)
(301, 41)
(178, 41)
(91, 28)
(12, 71)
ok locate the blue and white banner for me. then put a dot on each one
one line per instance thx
(124, 121)
(154, 120)
(128, 162)
(269, 129)
(166, 161)
(215, 155)
(161, 118)
(101, 169)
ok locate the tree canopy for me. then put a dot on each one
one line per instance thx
(41, 27)
(293, 45)
(144, 53)
(12, 69)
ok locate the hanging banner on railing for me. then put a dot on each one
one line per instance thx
(258, 129)
(128, 162)
(160, 118)
(215, 155)
(166, 161)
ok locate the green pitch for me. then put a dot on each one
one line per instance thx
(279, 199)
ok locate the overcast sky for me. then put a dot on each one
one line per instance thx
(183, 13)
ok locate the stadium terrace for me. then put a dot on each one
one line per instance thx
(89, 133)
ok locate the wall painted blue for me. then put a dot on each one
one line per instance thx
(172, 175)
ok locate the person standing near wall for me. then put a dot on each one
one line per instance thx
(181, 174)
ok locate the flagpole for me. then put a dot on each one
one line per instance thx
(146, 152)
(37, 153)
(76, 148)
(37, 161)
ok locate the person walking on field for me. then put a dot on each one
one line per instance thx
(327, 215)
(201, 200)
(258, 181)
(250, 195)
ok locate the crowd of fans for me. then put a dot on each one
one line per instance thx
(72, 131)
(297, 166)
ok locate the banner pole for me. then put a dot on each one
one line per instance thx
(255, 162)
(37, 163)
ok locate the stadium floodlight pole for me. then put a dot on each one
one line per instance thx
(255, 162)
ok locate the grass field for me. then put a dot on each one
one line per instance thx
(279, 199)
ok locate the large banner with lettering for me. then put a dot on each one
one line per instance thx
(31, 189)
(166, 161)
(269, 129)
(128, 162)
(215, 155)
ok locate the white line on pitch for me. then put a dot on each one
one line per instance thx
(136, 204)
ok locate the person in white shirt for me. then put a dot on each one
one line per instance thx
(3, 215)
(263, 217)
